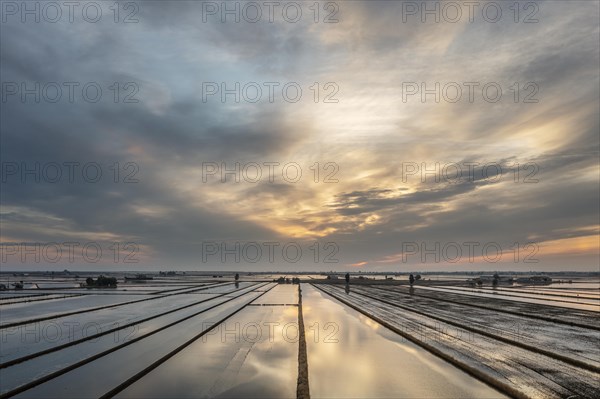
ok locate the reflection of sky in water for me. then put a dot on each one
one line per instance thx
(95, 378)
(27, 310)
(281, 294)
(549, 293)
(371, 361)
(61, 330)
(565, 302)
(233, 361)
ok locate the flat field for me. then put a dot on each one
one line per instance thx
(193, 337)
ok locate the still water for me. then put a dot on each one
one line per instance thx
(351, 355)
(254, 354)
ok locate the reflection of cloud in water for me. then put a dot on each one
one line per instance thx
(370, 361)
(369, 322)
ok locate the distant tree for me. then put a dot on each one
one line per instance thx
(479, 283)
(347, 277)
(411, 279)
(418, 277)
(237, 276)
(101, 281)
(107, 281)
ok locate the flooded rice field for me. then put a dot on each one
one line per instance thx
(191, 337)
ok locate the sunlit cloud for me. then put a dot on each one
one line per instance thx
(370, 132)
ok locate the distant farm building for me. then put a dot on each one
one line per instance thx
(534, 280)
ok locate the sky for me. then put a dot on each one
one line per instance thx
(349, 136)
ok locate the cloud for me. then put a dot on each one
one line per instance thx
(368, 135)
